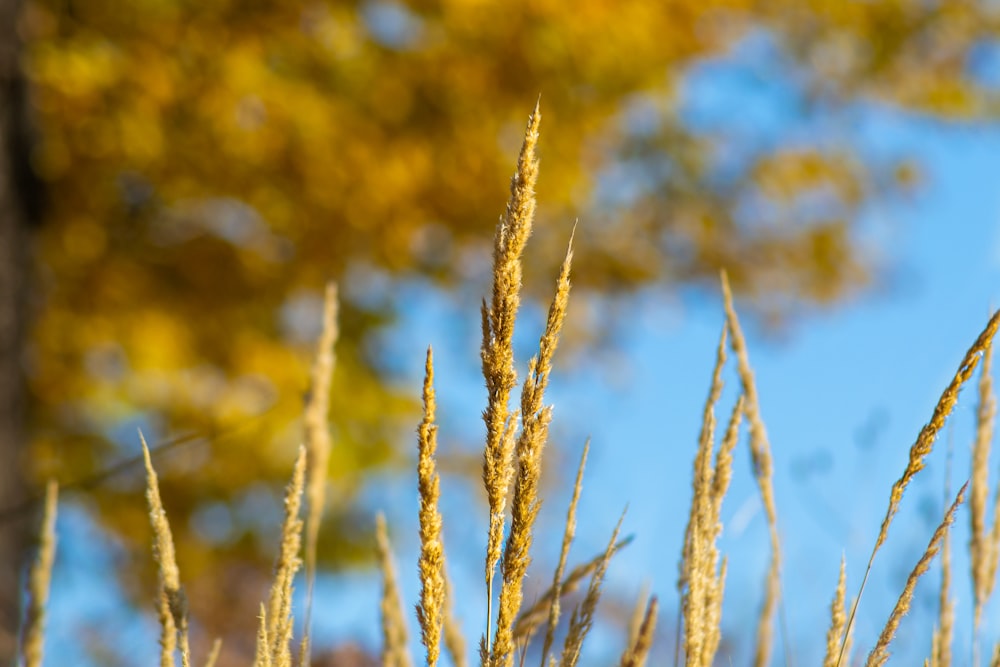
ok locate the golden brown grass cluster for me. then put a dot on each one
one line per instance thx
(513, 455)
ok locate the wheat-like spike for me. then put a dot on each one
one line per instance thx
(994, 548)
(702, 599)
(925, 440)
(262, 655)
(995, 660)
(484, 653)
(760, 453)
(982, 547)
(698, 547)
(838, 618)
(635, 619)
(430, 611)
(317, 438)
(497, 352)
(536, 614)
(943, 634)
(39, 581)
(760, 448)
(713, 615)
(772, 595)
(880, 654)
(305, 650)
(213, 654)
(924, 443)
(724, 459)
(705, 438)
(454, 640)
(700, 557)
(582, 618)
(168, 630)
(932, 661)
(394, 641)
(569, 531)
(721, 476)
(535, 418)
(636, 654)
(279, 604)
(172, 603)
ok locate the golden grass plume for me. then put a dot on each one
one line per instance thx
(983, 544)
(39, 582)
(395, 652)
(430, 611)
(925, 443)
(529, 450)
(172, 604)
(838, 619)
(569, 531)
(763, 469)
(641, 640)
(880, 654)
(317, 441)
(582, 617)
(279, 602)
(497, 352)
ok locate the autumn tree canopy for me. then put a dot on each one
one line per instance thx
(210, 164)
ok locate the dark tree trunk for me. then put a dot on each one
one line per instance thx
(17, 214)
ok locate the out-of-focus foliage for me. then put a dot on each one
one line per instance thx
(211, 163)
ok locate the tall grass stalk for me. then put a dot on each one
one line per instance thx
(39, 582)
(279, 601)
(880, 654)
(641, 639)
(582, 618)
(763, 469)
(984, 541)
(498, 354)
(317, 440)
(569, 531)
(924, 444)
(838, 619)
(395, 652)
(430, 611)
(172, 604)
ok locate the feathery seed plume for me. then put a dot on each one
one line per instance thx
(454, 640)
(838, 618)
(317, 438)
(431, 608)
(569, 531)
(635, 655)
(172, 605)
(982, 547)
(394, 649)
(582, 618)
(760, 453)
(530, 446)
(262, 656)
(39, 580)
(497, 352)
(925, 442)
(880, 653)
(279, 604)
(535, 615)
(213, 654)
